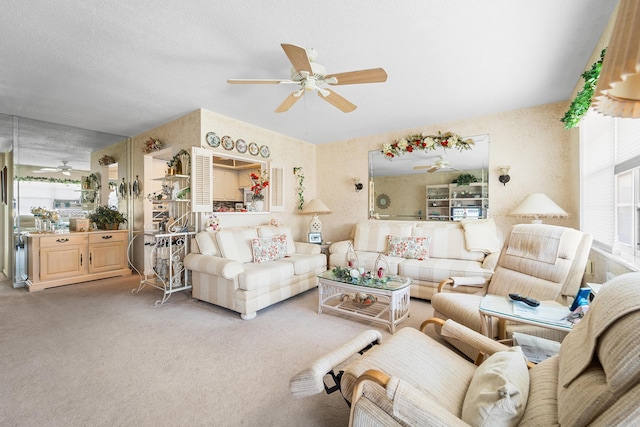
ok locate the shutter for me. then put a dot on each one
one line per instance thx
(201, 178)
(277, 189)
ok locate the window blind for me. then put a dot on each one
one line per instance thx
(598, 154)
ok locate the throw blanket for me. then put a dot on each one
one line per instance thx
(534, 242)
(616, 299)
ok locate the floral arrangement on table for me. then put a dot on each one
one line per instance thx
(260, 182)
(106, 160)
(45, 214)
(152, 145)
(360, 277)
(299, 173)
(425, 143)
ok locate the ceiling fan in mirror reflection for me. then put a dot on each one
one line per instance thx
(64, 168)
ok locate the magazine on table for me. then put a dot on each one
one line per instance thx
(545, 313)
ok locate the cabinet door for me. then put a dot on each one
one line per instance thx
(107, 251)
(62, 262)
(232, 191)
(218, 184)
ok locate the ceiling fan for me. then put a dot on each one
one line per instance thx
(64, 168)
(310, 75)
(441, 163)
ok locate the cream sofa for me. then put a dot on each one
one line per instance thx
(224, 272)
(455, 249)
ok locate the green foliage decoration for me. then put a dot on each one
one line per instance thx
(582, 101)
(465, 179)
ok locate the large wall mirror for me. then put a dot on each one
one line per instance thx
(398, 187)
(51, 164)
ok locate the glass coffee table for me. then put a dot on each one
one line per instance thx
(386, 303)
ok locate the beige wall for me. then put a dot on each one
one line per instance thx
(532, 141)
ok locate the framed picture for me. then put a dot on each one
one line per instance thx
(239, 207)
(315, 238)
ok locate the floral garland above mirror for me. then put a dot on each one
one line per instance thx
(426, 142)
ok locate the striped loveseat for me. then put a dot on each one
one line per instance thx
(455, 249)
(246, 269)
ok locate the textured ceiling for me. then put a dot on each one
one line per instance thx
(125, 67)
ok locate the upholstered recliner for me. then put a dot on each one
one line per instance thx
(545, 262)
(412, 379)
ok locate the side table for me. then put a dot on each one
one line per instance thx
(549, 314)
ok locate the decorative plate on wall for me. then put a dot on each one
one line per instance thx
(264, 151)
(253, 149)
(383, 201)
(227, 142)
(241, 146)
(213, 140)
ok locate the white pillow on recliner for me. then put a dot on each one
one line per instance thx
(499, 389)
(481, 235)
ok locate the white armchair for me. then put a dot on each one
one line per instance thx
(542, 261)
(412, 379)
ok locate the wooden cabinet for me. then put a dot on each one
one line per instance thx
(63, 259)
(225, 185)
(244, 177)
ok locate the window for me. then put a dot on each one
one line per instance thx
(610, 174)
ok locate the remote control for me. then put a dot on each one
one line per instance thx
(527, 300)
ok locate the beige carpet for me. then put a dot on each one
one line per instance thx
(93, 354)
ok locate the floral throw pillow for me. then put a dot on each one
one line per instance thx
(269, 248)
(408, 247)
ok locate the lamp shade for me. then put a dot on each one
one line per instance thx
(316, 206)
(618, 90)
(538, 205)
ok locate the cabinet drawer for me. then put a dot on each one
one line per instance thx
(107, 237)
(62, 240)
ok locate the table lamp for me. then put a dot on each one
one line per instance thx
(537, 206)
(315, 207)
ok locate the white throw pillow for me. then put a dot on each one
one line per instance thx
(481, 235)
(499, 389)
(207, 243)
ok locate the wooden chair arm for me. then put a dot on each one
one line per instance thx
(374, 375)
(431, 321)
(445, 282)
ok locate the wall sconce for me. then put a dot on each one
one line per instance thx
(358, 184)
(504, 174)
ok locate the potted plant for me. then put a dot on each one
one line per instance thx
(465, 179)
(107, 217)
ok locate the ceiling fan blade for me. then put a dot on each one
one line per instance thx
(67, 173)
(257, 81)
(46, 170)
(337, 101)
(298, 57)
(289, 101)
(433, 169)
(374, 75)
(422, 167)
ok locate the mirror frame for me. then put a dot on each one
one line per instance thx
(463, 161)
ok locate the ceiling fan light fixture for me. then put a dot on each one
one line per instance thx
(311, 75)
